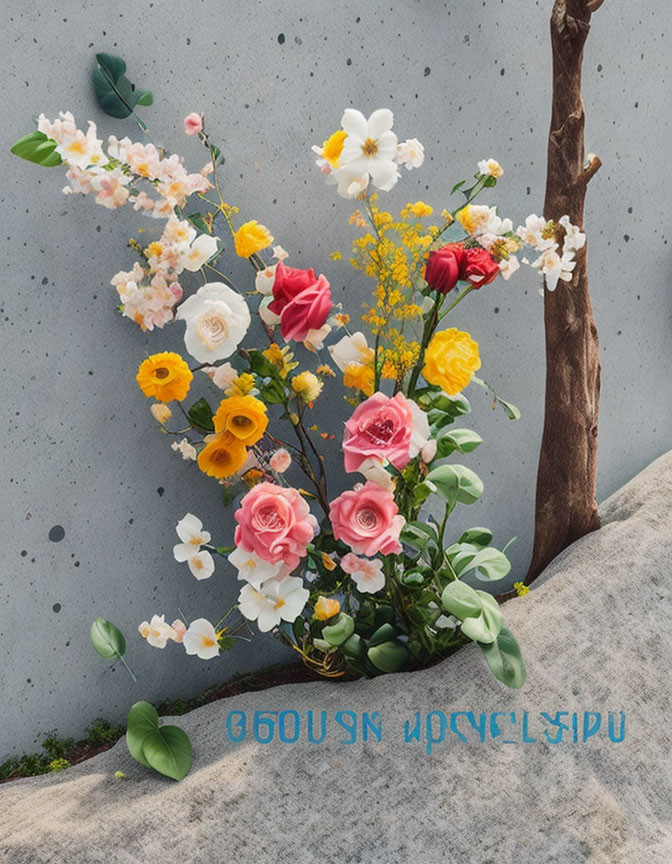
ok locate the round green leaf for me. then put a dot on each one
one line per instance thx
(388, 656)
(461, 600)
(142, 721)
(36, 147)
(352, 647)
(456, 484)
(342, 629)
(490, 564)
(107, 639)
(116, 95)
(168, 751)
(505, 659)
(477, 537)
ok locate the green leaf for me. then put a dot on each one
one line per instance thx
(457, 186)
(477, 537)
(352, 647)
(456, 484)
(461, 600)
(490, 564)
(107, 639)
(385, 633)
(168, 751)
(341, 630)
(36, 147)
(262, 365)
(273, 393)
(510, 409)
(505, 659)
(231, 492)
(462, 440)
(478, 611)
(198, 221)
(142, 721)
(116, 95)
(419, 536)
(200, 414)
(388, 656)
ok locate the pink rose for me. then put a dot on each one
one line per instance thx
(193, 123)
(301, 300)
(276, 523)
(367, 519)
(381, 428)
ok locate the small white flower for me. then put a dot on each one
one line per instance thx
(253, 569)
(276, 601)
(370, 147)
(157, 632)
(217, 319)
(199, 253)
(279, 253)
(530, 233)
(410, 153)
(280, 461)
(201, 565)
(374, 469)
(508, 266)
(185, 448)
(367, 574)
(428, 452)
(268, 317)
(490, 168)
(351, 349)
(221, 376)
(201, 639)
(314, 340)
(574, 238)
(190, 531)
(264, 281)
(554, 267)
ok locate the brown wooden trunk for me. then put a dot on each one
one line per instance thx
(565, 504)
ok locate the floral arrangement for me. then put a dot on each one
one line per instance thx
(367, 581)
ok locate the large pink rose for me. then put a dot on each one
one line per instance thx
(276, 523)
(302, 300)
(367, 519)
(394, 428)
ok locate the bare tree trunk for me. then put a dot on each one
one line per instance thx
(565, 505)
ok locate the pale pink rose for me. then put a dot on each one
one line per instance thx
(367, 574)
(193, 123)
(380, 428)
(222, 376)
(280, 461)
(180, 629)
(276, 523)
(367, 519)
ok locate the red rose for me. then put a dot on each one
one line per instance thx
(480, 267)
(444, 267)
(289, 281)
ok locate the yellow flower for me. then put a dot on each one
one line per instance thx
(325, 369)
(521, 588)
(335, 256)
(160, 412)
(222, 455)
(164, 377)
(326, 607)
(451, 359)
(419, 209)
(471, 217)
(333, 147)
(281, 358)
(448, 217)
(308, 385)
(250, 238)
(241, 385)
(252, 477)
(242, 416)
(154, 248)
(360, 377)
(329, 563)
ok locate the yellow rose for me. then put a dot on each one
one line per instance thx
(451, 359)
(250, 238)
(222, 455)
(165, 377)
(244, 417)
(325, 608)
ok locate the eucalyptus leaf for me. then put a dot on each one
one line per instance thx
(107, 639)
(116, 95)
(505, 660)
(388, 656)
(510, 409)
(456, 484)
(36, 147)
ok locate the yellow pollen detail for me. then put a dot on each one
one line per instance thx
(197, 563)
(370, 147)
(279, 603)
(77, 147)
(207, 642)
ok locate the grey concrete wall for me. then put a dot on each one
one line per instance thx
(470, 80)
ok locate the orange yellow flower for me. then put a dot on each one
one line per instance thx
(244, 417)
(250, 238)
(360, 377)
(222, 455)
(164, 377)
(325, 608)
(308, 385)
(333, 147)
(451, 359)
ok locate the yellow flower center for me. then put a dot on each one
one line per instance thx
(77, 147)
(370, 147)
(241, 421)
(196, 541)
(207, 642)
(197, 563)
(279, 603)
(161, 373)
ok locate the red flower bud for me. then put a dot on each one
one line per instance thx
(444, 267)
(480, 267)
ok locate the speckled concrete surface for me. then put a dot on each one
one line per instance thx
(91, 491)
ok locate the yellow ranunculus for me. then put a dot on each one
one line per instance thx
(451, 359)
(244, 417)
(222, 455)
(359, 376)
(326, 607)
(307, 385)
(164, 377)
(250, 238)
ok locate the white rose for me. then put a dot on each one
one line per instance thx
(351, 349)
(217, 319)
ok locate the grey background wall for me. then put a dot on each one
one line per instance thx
(470, 80)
